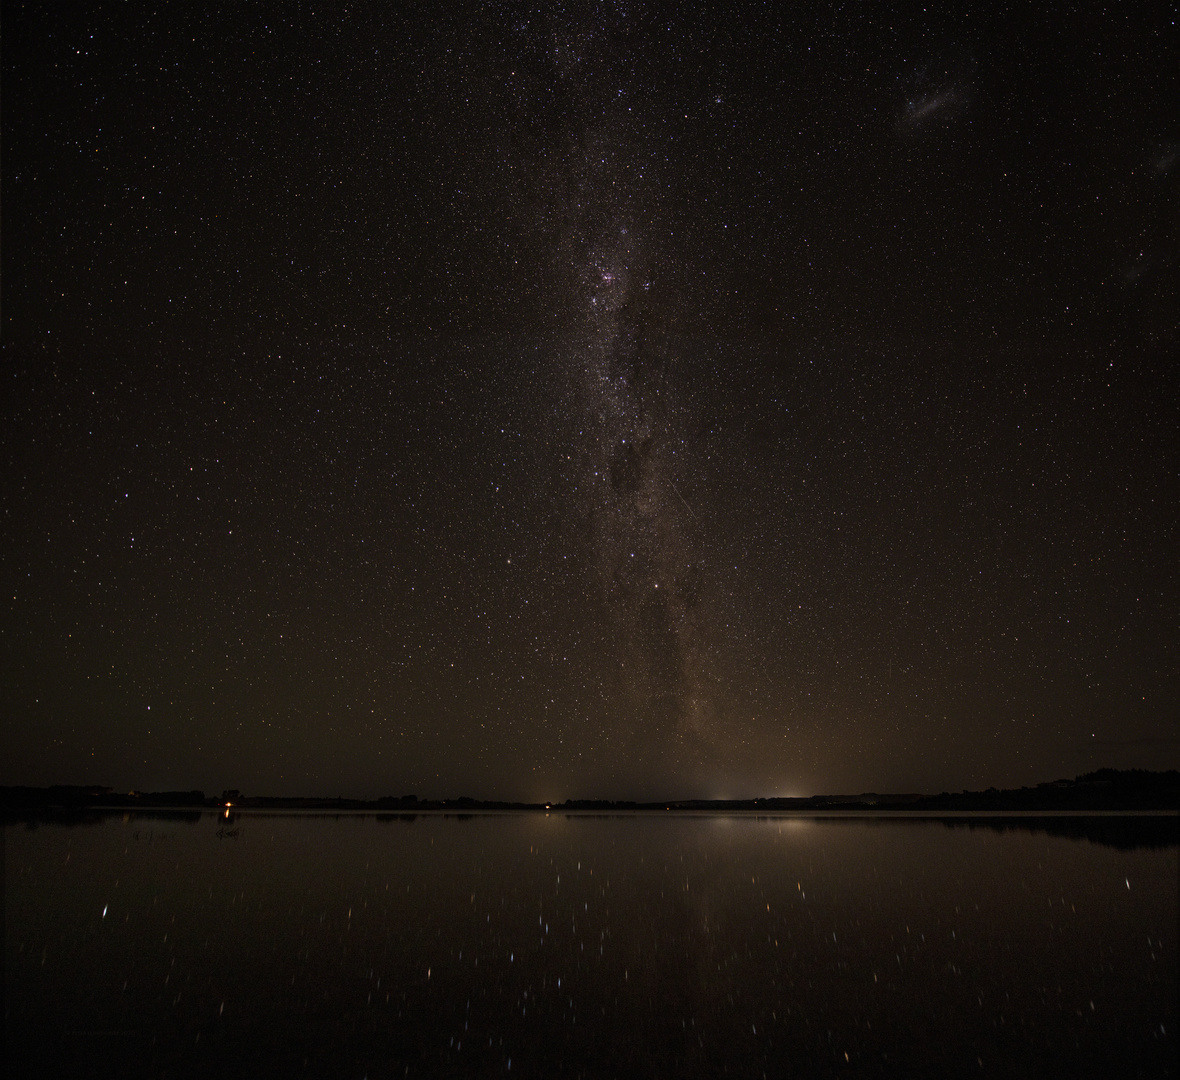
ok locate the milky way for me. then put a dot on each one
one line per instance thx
(648, 564)
(622, 405)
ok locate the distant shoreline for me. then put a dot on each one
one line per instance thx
(864, 814)
(1106, 792)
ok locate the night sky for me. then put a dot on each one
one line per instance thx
(589, 400)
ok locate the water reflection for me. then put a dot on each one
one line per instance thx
(588, 945)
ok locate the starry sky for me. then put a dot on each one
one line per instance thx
(588, 400)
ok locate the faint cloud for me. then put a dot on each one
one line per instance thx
(933, 92)
(1166, 160)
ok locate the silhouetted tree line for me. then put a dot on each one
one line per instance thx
(1104, 789)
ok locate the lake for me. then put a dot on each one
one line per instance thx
(555, 945)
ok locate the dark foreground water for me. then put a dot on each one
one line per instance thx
(551, 946)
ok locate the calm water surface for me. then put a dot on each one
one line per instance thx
(550, 946)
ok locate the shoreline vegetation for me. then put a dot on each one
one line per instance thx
(1131, 790)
